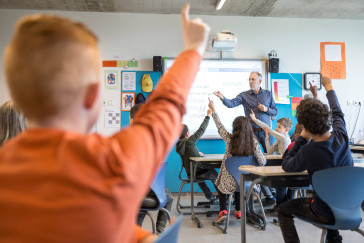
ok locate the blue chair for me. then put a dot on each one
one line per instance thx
(232, 165)
(342, 188)
(170, 235)
(157, 199)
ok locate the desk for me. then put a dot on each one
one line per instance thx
(214, 161)
(272, 176)
(357, 149)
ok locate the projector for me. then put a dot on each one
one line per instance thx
(224, 41)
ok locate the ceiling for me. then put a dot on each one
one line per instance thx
(328, 9)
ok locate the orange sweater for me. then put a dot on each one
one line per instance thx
(59, 186)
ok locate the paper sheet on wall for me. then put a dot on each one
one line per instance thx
(112, 117)
(129, 81)
(295, 102)
(281, 91)
(333, 61)
(111, 79)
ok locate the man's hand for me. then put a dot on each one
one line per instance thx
(252, 115)
(209, 111)
(195, 32)
(263, 108)
(326, 82)
(266, 134)
(313, 90)
(218, 94)
(305, 134)
(211, 106)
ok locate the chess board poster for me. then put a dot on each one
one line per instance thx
(112, 117)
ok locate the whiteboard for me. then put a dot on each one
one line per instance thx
(230, 77)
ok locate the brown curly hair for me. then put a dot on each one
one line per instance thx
(314, 116)
(242, 139)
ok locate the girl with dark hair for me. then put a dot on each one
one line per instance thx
(241, 142)
(12, 121)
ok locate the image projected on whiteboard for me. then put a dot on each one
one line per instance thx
(230, 77)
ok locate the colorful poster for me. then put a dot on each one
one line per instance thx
(129, 81)
(295, 102)
(333, 61)
(281, 91)
(127, 100)
(111, 79)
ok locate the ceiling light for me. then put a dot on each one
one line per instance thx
(219, 4)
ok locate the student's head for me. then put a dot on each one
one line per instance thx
(12, 121)
(255, 79)
(52, 69)
(284, 125)
(242, 140)
(314, 116)
(297, 131)
(185, 132)
(133, 112)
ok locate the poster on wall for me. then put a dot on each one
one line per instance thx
(295, 102)
(281, 91)
(111, 79)
(112, 117)
(127, 100)
(333, 61)
(129, 81)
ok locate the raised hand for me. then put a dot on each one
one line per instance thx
(326, 82)
(218, 94)
(209, 112)
(211, 105)
(252, 115)
(313, 90)
(266, 134)
(195, 32)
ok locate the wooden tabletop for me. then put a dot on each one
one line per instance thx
(269, 170)
(219, 157)
(357, 148)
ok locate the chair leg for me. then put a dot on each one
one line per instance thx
(178, 205)
(323, 235)
(168, 214)
(359, 231)
(154, 227)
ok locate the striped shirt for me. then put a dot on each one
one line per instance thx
(250, 101)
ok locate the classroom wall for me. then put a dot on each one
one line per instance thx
(142, 36)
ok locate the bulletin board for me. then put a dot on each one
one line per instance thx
(155, 76)
(285, 110)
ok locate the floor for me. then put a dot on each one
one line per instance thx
(189, 233)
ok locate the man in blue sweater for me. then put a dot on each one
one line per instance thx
(315, 149)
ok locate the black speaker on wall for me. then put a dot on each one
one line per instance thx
(157, 63)
(274, 65)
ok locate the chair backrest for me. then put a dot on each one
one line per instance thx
(170, 235)
(232, 165)
(180, 172)
(342, 189)
(158, 186)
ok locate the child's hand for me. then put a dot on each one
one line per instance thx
(209, 111)
(266, 133)
(326, 82)
(195, 32)
(313, 91)
(211, 105)
(252, 115)
(218, 94)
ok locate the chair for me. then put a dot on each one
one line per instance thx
(232, 165)
(170, 235)
(184, 182)
(342, 189)
(157, 199)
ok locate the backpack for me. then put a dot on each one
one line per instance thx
(140, 99)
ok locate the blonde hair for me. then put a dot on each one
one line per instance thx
(12, 121)
(47, 64)
(286, 123)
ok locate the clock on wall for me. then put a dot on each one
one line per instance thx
(313, 78)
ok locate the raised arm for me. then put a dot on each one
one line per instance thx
(197, 135)
(238, 100)
(280, 137)
(258, 154)
(220, 128)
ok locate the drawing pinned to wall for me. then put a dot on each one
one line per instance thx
(127, 100)
(129, 81)
(111, 79)
(112, 117)
(333, 61)
(295, 102)
(281, 91)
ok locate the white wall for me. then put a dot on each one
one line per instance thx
(297, 42)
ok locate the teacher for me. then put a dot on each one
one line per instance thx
(257, 99)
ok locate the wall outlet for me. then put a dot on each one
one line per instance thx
(356, 102)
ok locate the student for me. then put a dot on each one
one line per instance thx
(326, 149)
(57, 182)
(284, 125)
(162, 216)
(295, 135)
(12, 121)
(186, 148)
(241, 142)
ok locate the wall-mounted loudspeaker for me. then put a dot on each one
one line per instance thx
(157, 63)
(274, 65)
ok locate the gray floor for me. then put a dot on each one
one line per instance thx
(189, 232)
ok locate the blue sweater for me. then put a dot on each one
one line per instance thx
(313, 156)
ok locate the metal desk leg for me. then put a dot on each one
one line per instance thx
(243, 207)
(193, 174)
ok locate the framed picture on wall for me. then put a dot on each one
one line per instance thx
(127, 100)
